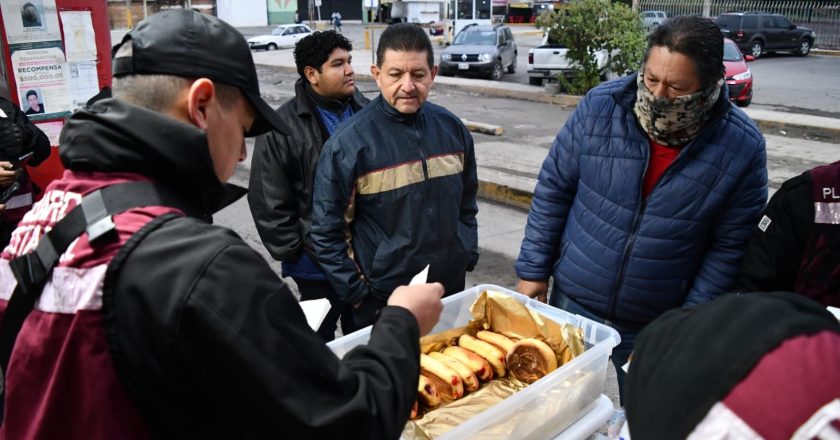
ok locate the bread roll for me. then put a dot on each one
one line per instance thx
(531, 359)
(480, 367)
(498, 340)
(427, 392)
(445, 378)
(414, 411)
(467, 375)
(485, 350)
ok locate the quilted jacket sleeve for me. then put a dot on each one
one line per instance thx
(332, 208)
(271, 198)
(728, 239)
(553, 196)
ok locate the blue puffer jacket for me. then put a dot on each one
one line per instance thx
(630, 259)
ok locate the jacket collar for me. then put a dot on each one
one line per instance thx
(304, 106)
(392, 113)
(114, 136)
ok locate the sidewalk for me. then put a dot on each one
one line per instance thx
(507, 172)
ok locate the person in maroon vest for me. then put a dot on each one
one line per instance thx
(796, 244)
(169, 326)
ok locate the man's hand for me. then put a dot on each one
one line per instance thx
(7, 174)
(534, 289)
(422, 300)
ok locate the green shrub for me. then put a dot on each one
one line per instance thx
(587, 26)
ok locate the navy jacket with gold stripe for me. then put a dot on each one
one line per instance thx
(393, 193)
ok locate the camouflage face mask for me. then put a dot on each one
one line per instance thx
(674, 122)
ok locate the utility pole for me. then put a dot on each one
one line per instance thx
(145, 9)
(311, 6)
(128, 14)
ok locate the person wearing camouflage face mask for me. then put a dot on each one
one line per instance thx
(650, 191)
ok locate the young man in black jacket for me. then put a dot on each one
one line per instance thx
(168, 326)
(283, 171)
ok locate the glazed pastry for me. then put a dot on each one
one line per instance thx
(480, 367)
(447, 380)
(427, 392)
(467, 375)
(498, 340)
(485, 350)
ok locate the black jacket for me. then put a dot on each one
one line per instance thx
(33, 140)
(791, 249)
(207, 339)
(282, 175)
(394, 193)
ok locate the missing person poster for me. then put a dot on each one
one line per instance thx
(41, 78)
(30, 21)
(83, 83)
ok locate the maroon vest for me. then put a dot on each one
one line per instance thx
(61, 380)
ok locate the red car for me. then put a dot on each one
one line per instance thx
(738, 75)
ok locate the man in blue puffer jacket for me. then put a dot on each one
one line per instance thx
(650, 191)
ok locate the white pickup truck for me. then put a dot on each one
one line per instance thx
(549, 60)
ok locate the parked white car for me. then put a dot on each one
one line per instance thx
(652, 19)
(549, 60)
(285, 35)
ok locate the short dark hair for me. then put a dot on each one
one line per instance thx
(404, 37)
(698, 38)
(314, 49)
(31, 93)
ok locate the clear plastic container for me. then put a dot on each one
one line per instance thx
(546, 407)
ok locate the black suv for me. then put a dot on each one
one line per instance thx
(481, 50)
(760, 32)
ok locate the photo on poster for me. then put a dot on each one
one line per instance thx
(31, 14)
(33, 103)
(30, 21)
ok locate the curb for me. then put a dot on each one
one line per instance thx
(496, 192)
(833, 53)
(481, 127)
(809, 132)
(536, 96)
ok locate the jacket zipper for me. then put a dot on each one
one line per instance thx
(625, 257)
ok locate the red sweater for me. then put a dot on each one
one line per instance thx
(661, 158)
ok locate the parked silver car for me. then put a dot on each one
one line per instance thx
(652, 19)
(480, 50)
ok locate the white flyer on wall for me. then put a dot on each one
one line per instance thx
(30, 21)
(52, 129)
(83, 83)
(79, 37)
(41, 78)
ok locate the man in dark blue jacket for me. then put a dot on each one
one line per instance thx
(395, 186)
(648, 196)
